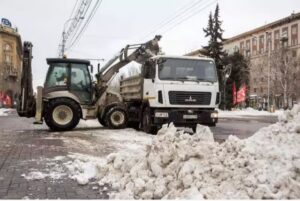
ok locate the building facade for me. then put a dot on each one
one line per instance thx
(10, 62)
(255, 45)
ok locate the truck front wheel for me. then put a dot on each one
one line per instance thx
(62, 114)
(147, 123)
(116, 118)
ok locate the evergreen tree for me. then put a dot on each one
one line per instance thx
(209, 32)
(239, 75)
(214, 49)
(218, 52)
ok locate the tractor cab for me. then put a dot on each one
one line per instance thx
(72, 76)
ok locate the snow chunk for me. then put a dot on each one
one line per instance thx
(5, 111)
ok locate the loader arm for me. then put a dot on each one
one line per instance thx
(26, 100)
(141, 53)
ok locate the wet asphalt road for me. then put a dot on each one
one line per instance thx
(241, 127)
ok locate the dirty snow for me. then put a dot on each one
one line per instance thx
(89, 123)
(37, 175)
(100, 142)
(5, 111)
(247, 112)
(54, 169)
(176, 165)
(82, 168)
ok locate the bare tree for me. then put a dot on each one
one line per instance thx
(285, 73)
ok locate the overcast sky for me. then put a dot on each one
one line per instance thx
(118, 22)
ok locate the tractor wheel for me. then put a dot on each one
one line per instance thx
(62, 114)
(101, 120)
(212, 124)
(116, 118)
(147, 124)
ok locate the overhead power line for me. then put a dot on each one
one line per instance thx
(189, 16)
(81, 16)
(170, 17)
(73, 9)
(87, 22)
(176, 16)
(77, 23)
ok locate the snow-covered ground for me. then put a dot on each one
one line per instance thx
(247, 112)
(176, 165)
(5, 111)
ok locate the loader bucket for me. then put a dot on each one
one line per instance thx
(26, 100)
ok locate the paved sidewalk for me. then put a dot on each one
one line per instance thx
(20, 151)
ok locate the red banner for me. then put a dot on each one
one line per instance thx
(5, 100)
(234, 94)
(241, 94)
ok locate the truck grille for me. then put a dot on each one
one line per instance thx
(189, 98)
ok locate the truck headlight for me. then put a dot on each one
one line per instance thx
(214, 115)
(161, 114)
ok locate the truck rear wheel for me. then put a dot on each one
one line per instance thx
(62, 114)
(147, 123)
(116, 118)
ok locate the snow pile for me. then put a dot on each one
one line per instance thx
(247, 112)
(178, 165)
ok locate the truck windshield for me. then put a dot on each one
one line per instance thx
(187, 70)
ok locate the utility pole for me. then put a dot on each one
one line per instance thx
(269, 67)
(64, 35)
(63, 45)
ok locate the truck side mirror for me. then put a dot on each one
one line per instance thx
(92, 68)
(98, 67)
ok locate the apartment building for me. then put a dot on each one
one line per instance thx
(10, 60)
(255, 45)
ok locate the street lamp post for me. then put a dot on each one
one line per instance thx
(64, 38)
(226, 74)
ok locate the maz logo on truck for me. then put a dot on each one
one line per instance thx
(190, 99)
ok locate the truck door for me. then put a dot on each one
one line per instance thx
(81, 84)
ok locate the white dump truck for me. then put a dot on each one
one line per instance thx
(179, 89)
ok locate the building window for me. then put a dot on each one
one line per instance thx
(294, 53)
(248, 51)
(268, 41)
(7, 59)
(294, 34)
(254, 45)
(276, 39)
(262, 79)
(285, 36)
(236, 49)
(7, 47)
(242, 47)
(254, 90)
(261, 44)
(7, 53)
(261, 90)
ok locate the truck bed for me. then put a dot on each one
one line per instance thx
(131, 89)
